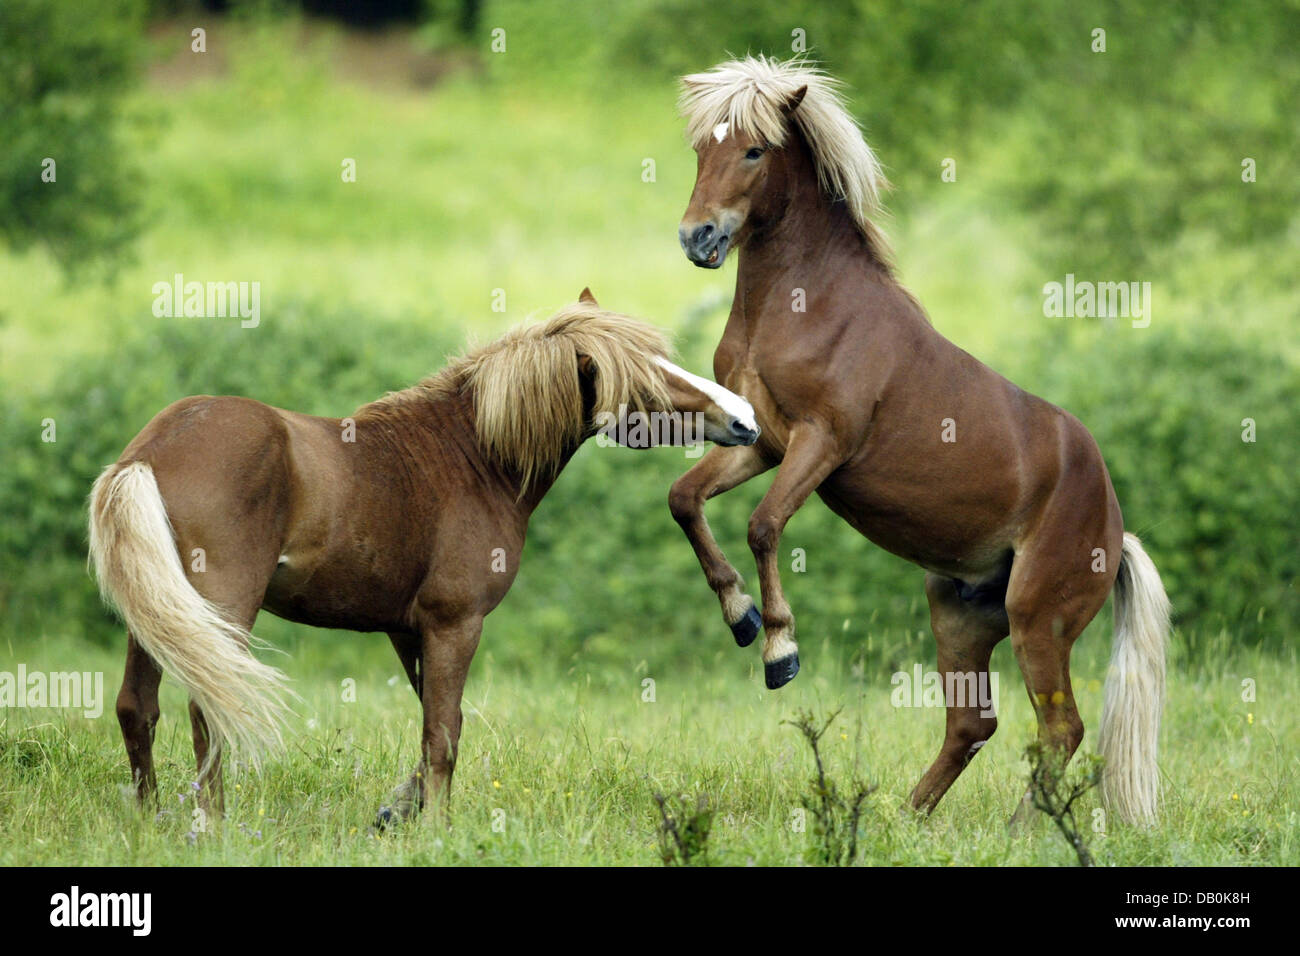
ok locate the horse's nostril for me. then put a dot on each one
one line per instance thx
(740, 429)
(703, 233)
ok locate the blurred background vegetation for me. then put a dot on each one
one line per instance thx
(522, 170)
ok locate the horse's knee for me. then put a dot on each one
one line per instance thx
(763, 533)
(984, 730)
(939, 589)
(683, 501)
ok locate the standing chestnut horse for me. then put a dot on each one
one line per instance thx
(409, 517)
(1001, 497)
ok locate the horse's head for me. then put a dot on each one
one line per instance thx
(731, 176)
(764, 129)
(670, 406)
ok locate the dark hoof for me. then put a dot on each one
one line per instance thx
(384, 817)
(747, 628)
(781, 672)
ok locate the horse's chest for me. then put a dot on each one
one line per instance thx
(747, 381)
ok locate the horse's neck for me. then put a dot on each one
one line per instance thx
(431, 438)
(493, 475)
(811, 244)
(541, 484)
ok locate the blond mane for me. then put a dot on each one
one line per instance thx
(749, 94)
(526, 390)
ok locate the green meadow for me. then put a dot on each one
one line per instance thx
(607, 675)
(559, 765)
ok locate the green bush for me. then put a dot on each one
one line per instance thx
(1216, 513)
(1114, 153)
(63, 68)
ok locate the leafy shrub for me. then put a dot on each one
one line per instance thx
(1217, 514)
(1115, 153)
(63, 69)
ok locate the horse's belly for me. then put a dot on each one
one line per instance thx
(933, 538)
(335, 600)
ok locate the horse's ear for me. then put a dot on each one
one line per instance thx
(794, 99)
(587, 297)
(586, 367)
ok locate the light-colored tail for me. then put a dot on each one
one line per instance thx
(1135, 689)
(133, 552)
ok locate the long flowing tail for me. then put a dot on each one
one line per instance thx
(133, 552)
(1135, 689)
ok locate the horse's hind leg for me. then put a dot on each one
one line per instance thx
(966, 631)
(1052, 596)
(211, 791)
(211, 796)
(137, 713)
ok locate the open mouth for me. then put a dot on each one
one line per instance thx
(715, 257)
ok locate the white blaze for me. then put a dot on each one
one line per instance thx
(720, 131)
(734, 405)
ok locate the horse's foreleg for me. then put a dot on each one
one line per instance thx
(447, 648)
(718, 471)
(408, 652)
(445, 659)
(809, 458)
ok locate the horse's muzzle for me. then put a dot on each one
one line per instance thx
(705, 245)
(743, 434)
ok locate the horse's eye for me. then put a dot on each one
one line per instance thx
(754, 153)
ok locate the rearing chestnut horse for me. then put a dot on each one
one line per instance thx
(1001, 497)
(409, 518)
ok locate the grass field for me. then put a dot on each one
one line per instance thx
(481, 184)
(558, 767)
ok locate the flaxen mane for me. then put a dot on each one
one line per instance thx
(527, 394)
(749, 95)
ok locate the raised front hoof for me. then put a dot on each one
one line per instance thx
(747, 628)
(781, 671)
